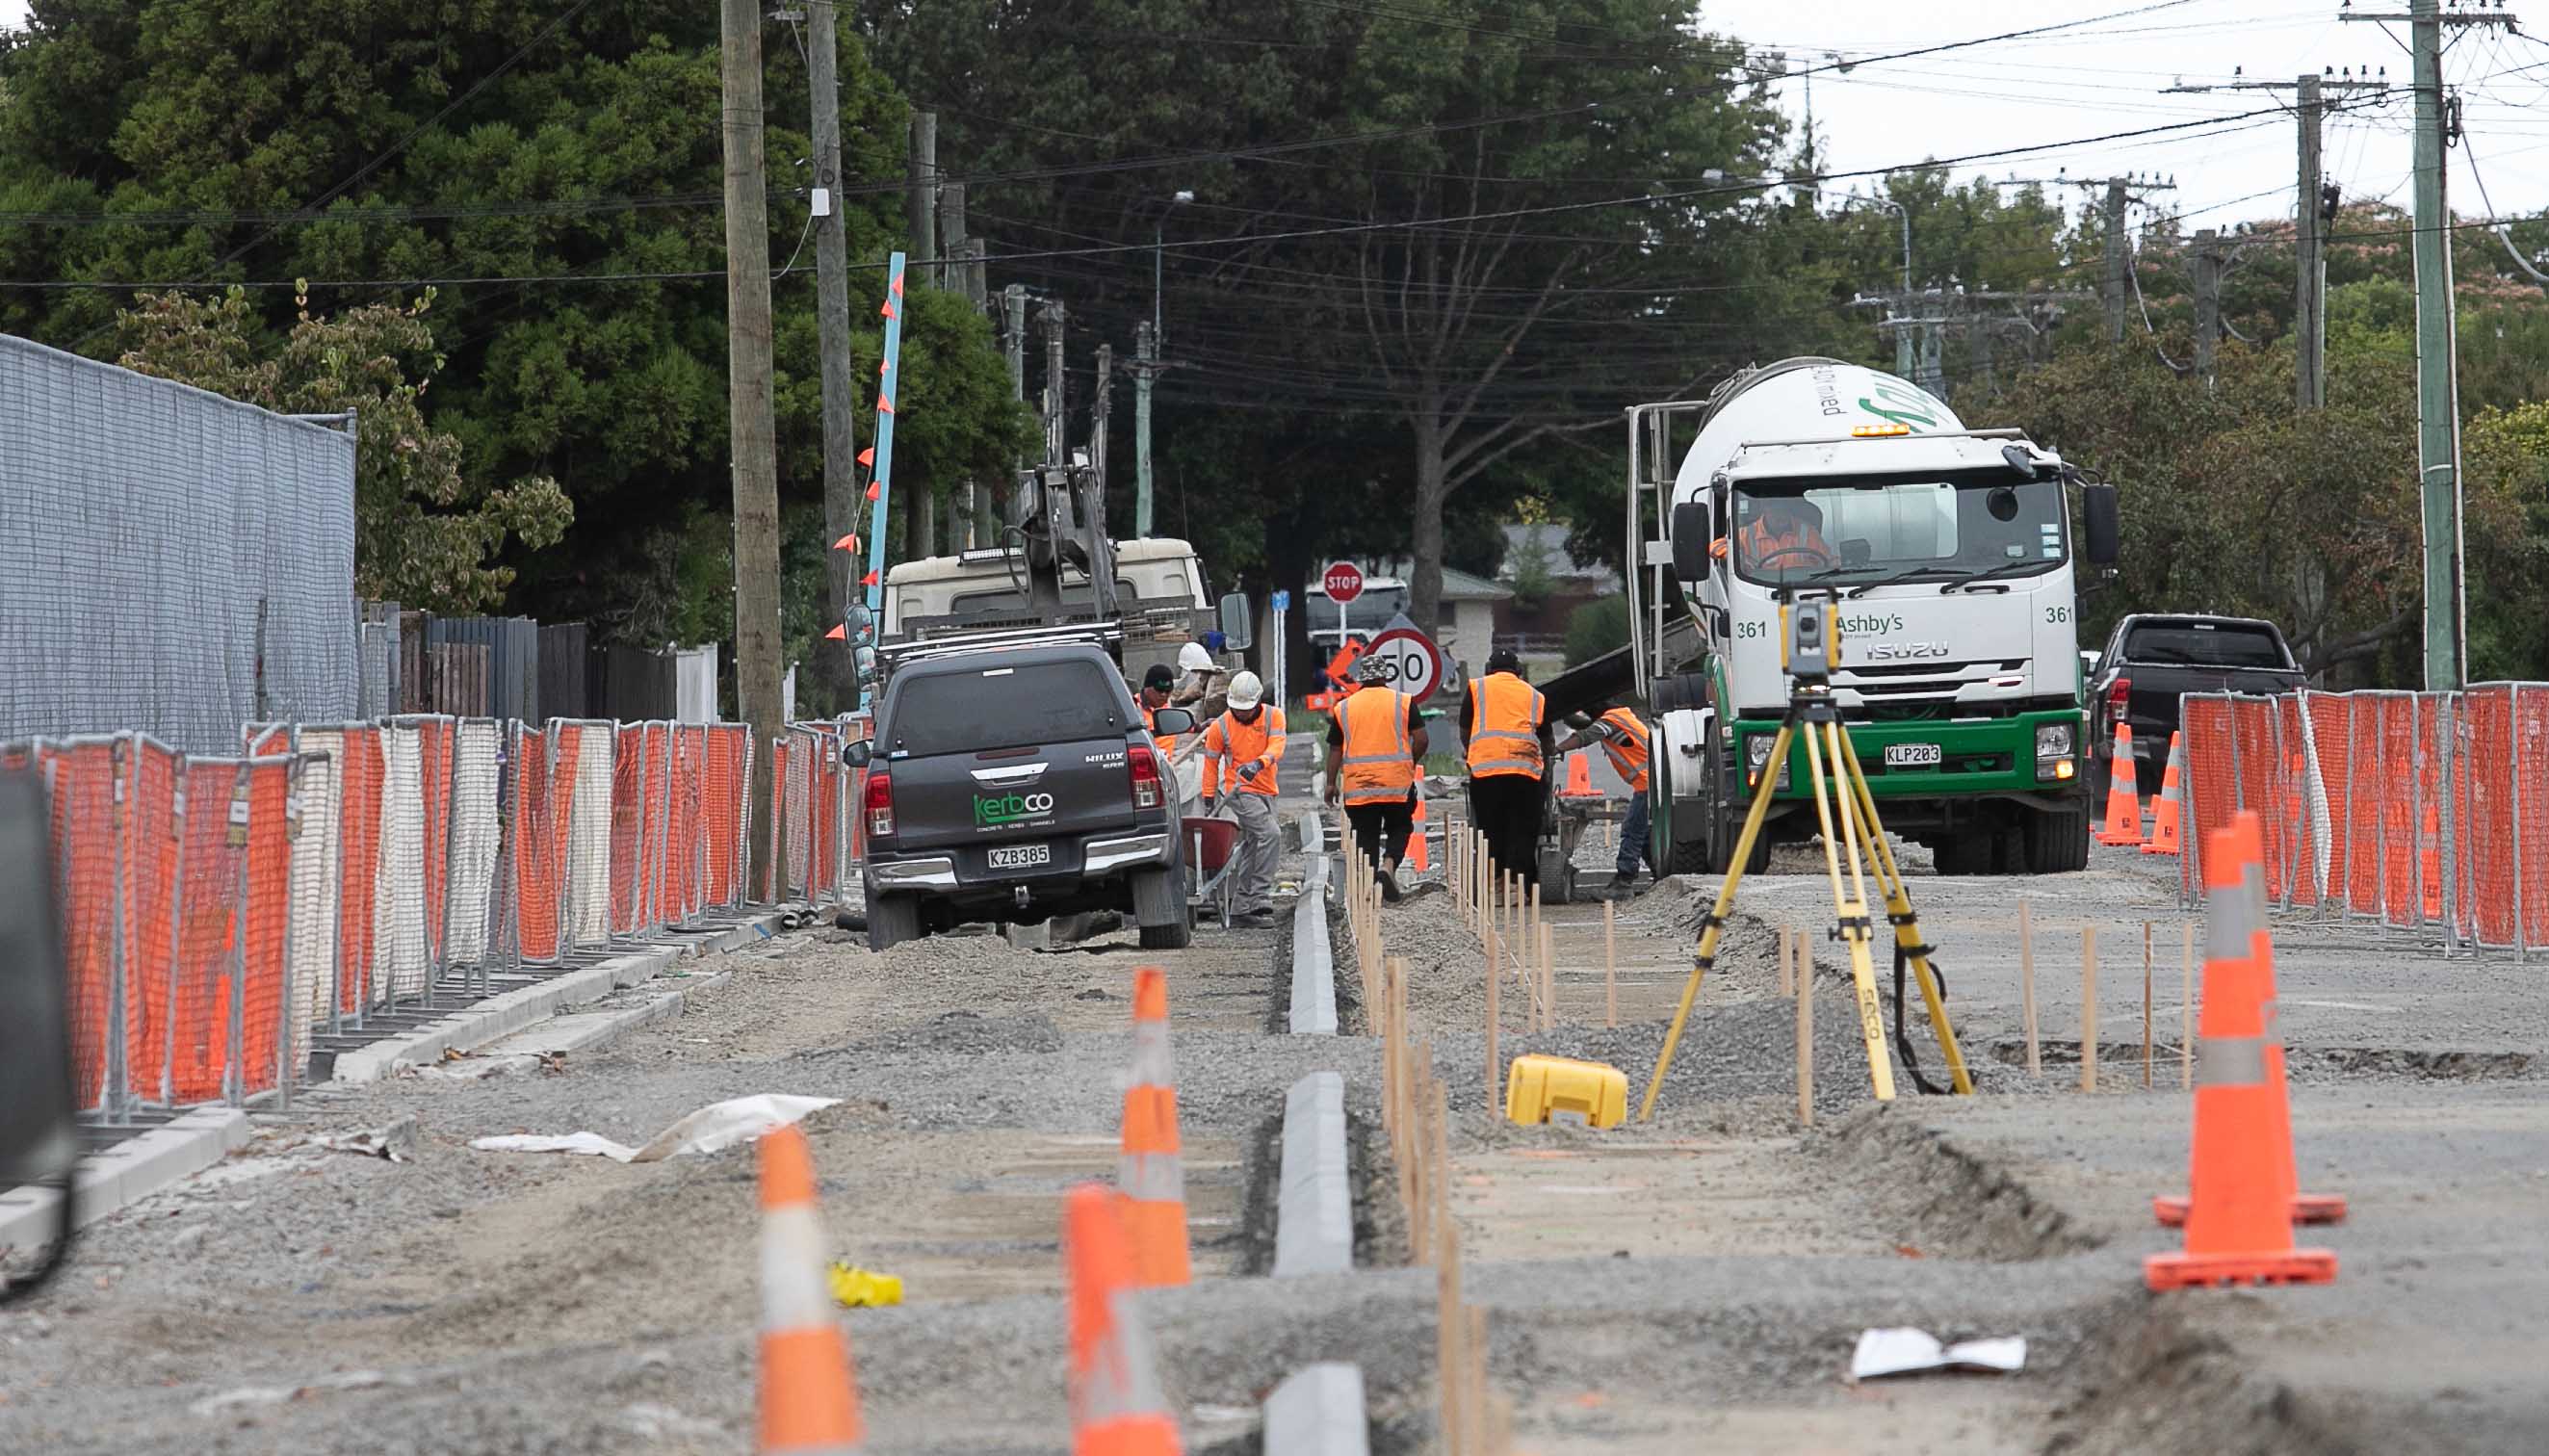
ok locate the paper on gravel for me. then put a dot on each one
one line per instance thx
(716, 1125)
(1908, 1351)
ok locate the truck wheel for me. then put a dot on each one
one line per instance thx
(1160, 906)
(891, 919)
(2058, 844)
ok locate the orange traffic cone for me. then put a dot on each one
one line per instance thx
(1117, 1408)
(2239, 1220)
(1419, 858)
(809, 1399)
(2164, 813)
(1580, 777)
(1151, 1173)
(2123, 809)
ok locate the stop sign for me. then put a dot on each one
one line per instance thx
(1408, 661)
(1343, 581)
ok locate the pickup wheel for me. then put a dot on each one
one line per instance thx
(1160, 906)
(893, 920)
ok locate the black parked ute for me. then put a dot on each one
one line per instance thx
(1014, 785)
(2152, 657)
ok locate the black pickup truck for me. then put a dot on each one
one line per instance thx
(2151, 658)
(1009, 786)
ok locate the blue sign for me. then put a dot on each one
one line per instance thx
(1283, 601)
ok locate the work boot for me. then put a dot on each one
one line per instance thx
(1391, 893)
(1252, 919)
(1622, 887)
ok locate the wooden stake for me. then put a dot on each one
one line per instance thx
(1495, 1062)
(1805, 1053)
(2088, 1008)
(1533, 942)
(2147, 1005)
(2026, 985)
(2186, 1014)
(1610, 969)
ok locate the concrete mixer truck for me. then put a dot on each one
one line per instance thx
(1951, 556)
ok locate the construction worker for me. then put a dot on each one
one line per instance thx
(1199, 687)
(1158, 682)
(1241, 750)
(1505, 723)
(1376, 744)
(1623, 737)
(1787, 537)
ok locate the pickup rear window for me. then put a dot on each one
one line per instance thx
(2206, 647)
(1023, 706)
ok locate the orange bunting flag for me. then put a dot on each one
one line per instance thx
(874, 490)
(846, 544)
(867, 457)
(897, 285)
(836, 635)
(885, 404)
(888, 310)
(868, 580)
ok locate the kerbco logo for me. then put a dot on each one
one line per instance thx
(1868, 626)
(1009, 808)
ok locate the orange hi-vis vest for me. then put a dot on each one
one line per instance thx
(1376, 764)
(1228, 743)
(1168, 742)
(1768, 547)
(1627, 751)
(1505, 714)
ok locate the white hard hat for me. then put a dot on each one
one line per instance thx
(1246, 691)
(1193, 658)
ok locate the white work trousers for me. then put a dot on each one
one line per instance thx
(1259, 837)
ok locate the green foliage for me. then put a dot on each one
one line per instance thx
(1597, 626)
(425, 531)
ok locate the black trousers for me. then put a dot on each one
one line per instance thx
(1382, 830)
(1506, 807)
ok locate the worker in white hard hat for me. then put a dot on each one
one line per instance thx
(1201, 688)
(1242, 749)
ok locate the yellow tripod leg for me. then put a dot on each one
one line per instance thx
(1712, 931)
(1907, 928)
(1850, 904)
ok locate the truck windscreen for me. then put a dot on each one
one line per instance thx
(1788, 532)
(1027, 706)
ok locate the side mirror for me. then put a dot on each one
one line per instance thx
(2103, 529)
(1171, 720)
(856, 752)
(39, 1140)
(1238, 628)
(1690, 539)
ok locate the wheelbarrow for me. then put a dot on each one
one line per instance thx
(1213, 845)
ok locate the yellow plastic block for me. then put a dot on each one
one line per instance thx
(1537, 1086)
(855, 1287)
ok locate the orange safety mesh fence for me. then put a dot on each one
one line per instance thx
(627, 842)
(661, 910)
(313, 821)
(434, 738)
(2364, 867)
(726, 784)
(2487, 800)
(2210, 787)
(153, 810)
(360, 854)
(2530, 810)
(535, 830)
(85, 779)
(211, 886)
(263, 1006)
(2260, 782)
(682, 827)
(580, 795)
(399, 964)
(2398, 888)
(771, 889)
(477, 835)
(2327, 717)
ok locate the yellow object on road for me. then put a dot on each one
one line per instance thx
(1537, 1086)
(854, 1287)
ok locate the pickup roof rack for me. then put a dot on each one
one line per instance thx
(1105, 635)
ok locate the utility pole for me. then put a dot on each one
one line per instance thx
(1013, 340)
(1098, 410)
(1057, 429)
(2313, 211)
(968, 506)
(751, 429)
(2207, 262)
(921, 510)
(832, 315)
(2119, 260)
(2438, 421)
(1146, 354)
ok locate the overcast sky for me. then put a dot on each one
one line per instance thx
(2107, 76)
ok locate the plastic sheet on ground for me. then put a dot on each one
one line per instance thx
(716, 1125)
(1908, 1351)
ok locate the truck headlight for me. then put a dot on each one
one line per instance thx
(2054, 755)
(1757, 752)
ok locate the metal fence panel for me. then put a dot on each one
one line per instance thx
(170, 561)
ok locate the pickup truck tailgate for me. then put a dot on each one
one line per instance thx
(1042, 759)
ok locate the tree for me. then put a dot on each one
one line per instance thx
(427, 531)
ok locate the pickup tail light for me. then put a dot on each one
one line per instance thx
(1145, 769)
(2119, 694)
(880, 802)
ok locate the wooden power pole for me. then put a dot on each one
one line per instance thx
(752, 430)
(841, 500)
(921, 513)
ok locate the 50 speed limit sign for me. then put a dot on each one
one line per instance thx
(1408, 661)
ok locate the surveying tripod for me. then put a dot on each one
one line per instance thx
(1846, 812)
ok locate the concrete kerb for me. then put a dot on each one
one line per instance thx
(1314, 971)
(1318, 1411)
(514, 1011)
(125, 1174)
(1314, 1198)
